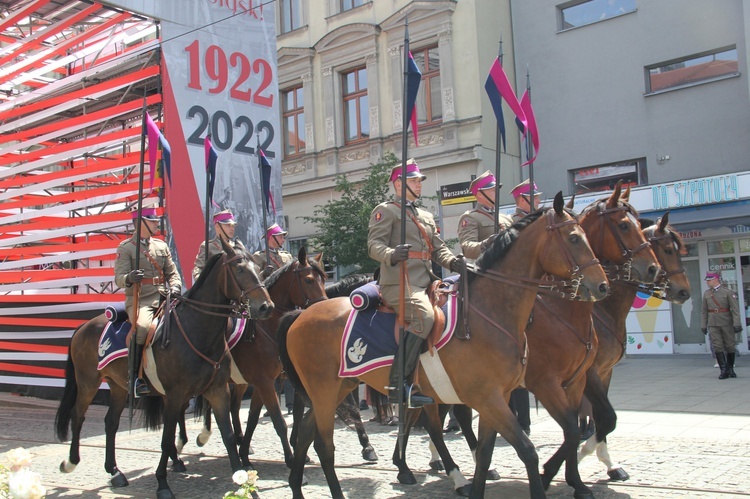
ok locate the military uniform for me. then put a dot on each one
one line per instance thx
(214, 248)
(153, 285)
(720, 314)
(475, 226)
(384, 234)
(277, 258)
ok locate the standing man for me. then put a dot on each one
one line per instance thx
(720, 318)
(224, 227)
(423, 246)
(277, 257)
(524, 204)
(155, 276)
(476, 228)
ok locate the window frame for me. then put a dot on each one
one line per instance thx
(640, 172)
(425, 88)
(356, 95)
(687, 84)
(341, 8)
(283, 15)
(295, 113)
(576, 3)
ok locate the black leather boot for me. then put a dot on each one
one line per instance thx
(409, 349)
(722, 360)
(140, 386)
(730, 365)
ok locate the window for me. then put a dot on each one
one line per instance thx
(429, 101)
(293, 117)
(356, 107)
(350, 4)
(604, 177)
(575, 14)
(691, 70)
(291, 15)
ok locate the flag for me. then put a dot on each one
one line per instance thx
(265, 173)
(159, 152)
(531, 121)
(413, 79)
(498, 88)
(211, 157)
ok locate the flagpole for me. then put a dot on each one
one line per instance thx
(498, 142)
(262, 197)
(208, 191)
(529, 146)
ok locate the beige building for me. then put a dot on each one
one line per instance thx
(340, 85)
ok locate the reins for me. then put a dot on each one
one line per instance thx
(623, 272)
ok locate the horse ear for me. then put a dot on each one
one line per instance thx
(559, 203)
(663, 222)
(319, 258)
(227, 248)
(570, 204)
(302, 255)
(626, 195)
(615, 197)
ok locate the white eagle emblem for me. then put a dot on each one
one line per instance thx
(357, 352)
(104, 346)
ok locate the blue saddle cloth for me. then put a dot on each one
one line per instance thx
(112, 342)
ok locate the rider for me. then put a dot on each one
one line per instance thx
(476, 228)
(423, 245)
(155, 275)
(224, 227)
(524, 204)
(277, 257)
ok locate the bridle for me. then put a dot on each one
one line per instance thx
(298, 269)
(660, 286)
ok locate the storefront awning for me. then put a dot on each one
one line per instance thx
(707, 216)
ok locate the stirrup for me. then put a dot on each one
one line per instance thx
(140, 388)
(415, 399)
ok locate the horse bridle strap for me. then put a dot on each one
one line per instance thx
(662, 283)
(613, 271)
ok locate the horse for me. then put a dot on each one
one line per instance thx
(483, 371)
(194, 362)
(562, 343)
(609, 321)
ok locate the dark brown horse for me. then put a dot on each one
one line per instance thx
(609, 321)
(482, 371)
(195, 361)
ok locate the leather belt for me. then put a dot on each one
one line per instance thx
(154, 281)
(419, 255)
(718, 310)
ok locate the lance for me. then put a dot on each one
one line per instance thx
(529, 149)
(263, 199)
(498, 143)
(208, 193)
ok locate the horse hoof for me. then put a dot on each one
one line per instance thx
(437, 465)
(248, 467)
(493, 475)
(406, 478)
(586, 494)
(464, 491)
(369, 454)
(618, 475)
(308, 460)
(118, 480)
(165, 494)
(67, 467)
(198, 441)
(546, 480)
(179, 466)
(250, 450)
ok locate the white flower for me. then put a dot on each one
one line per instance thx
(240, 477)
(25, 484)
(241, 492)
(18, 458)
(252, 477)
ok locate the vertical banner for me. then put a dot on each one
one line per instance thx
(219, 77)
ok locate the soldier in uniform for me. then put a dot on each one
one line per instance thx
(476, 228)
(720, 318)
(423, 246)
(224, 227)
(524, 203)
(277, 257)
(156, 274)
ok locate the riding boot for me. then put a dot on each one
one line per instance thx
(722, 360)
(409, 350)
(140, 388)
(730, 365)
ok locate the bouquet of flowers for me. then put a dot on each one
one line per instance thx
(246, 481)
(17, 481)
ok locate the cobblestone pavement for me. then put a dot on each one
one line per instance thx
(681, 433)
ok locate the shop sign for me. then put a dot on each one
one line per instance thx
(456, 194)
(695, 192)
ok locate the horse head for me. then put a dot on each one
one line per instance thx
(243, 285)
(299, 283)
(667, 244)
(611, 225)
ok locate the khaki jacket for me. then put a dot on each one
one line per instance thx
(384, 234)
(125, 262)
(214, 248)
(519, 214)
(728, 306)
(278, 258)
(475, 226)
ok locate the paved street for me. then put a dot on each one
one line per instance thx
(681, 433)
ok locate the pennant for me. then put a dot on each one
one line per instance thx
(265, 173)
(531, 121)
(211, 157)
(413, 80)
(159, 152)
(498, 88)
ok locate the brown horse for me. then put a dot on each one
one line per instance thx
(194, 362)
(609, 321)
(482, 371)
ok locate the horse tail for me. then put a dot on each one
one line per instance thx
(68, 401)
(284, 324)
(153, 410)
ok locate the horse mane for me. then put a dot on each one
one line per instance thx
(596, 203)
(276, 274)
(502, 243)
(647, 223)
(347, 284)
(204, 274)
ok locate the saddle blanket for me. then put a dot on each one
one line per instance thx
(369, 342)
(112, 343)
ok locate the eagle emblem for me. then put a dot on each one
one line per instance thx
(104, 346)
(357, 351)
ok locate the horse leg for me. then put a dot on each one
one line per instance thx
(434, 427)
(324, 420)
(271, 400)
(182, 437)
(405, 475)
(352, 409)
(118, 400)
(464, 417)
(86, 392)
(205, 434)
(253, 414)
(482, 458)
(605, 419)
(168, 449)
(237, 392)
(218, 397)
(305, 435)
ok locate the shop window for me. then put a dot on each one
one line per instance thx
(744, 245)
(345, 5)
(356, 106)
(721, 247)
(293, 118)
(429, 100)
(291, 15)
(692, 70)
(580, 13)
(604, 177)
